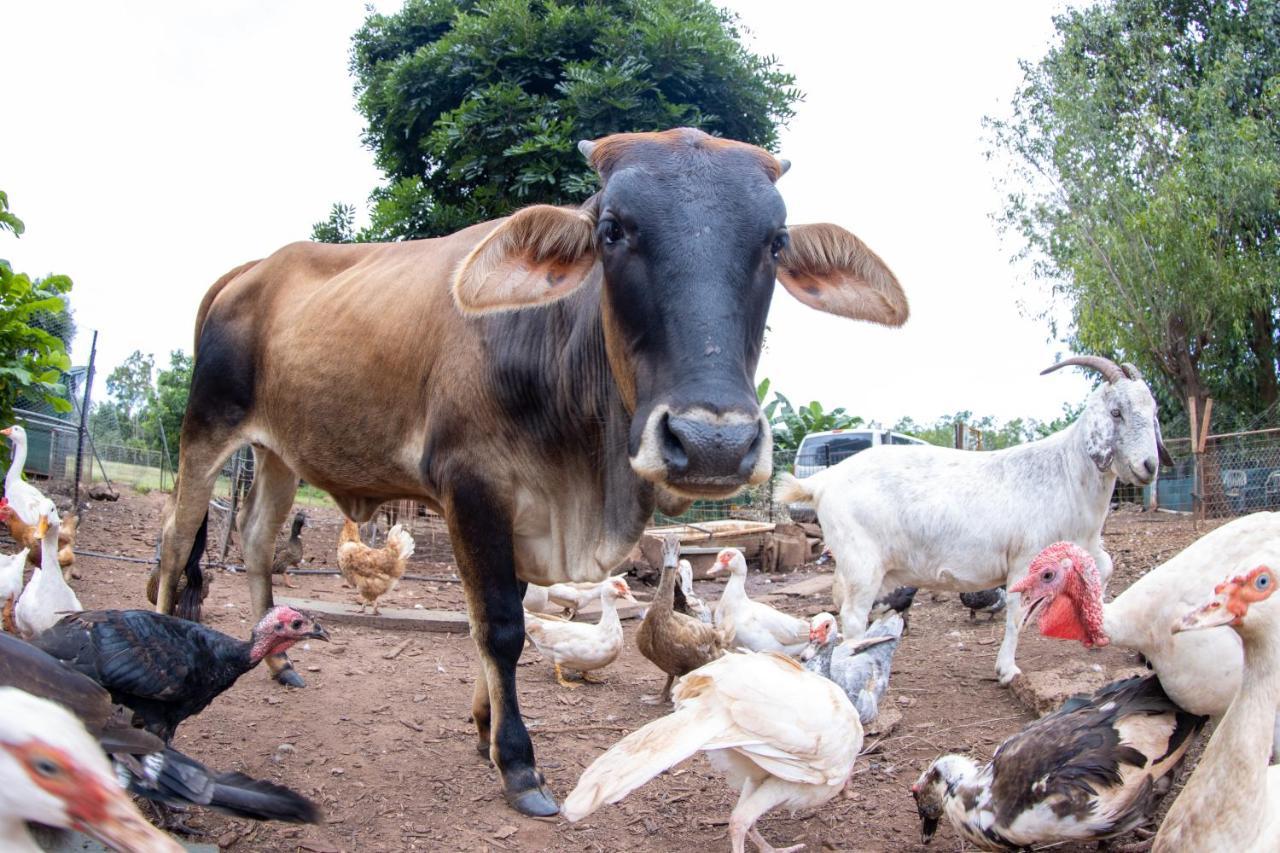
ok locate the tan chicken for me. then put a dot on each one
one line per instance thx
(582, 646)
(28, 536)
(373, 572)
(781, 736)
(677, 644)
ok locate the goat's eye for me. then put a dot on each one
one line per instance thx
(611, 231)
(1115, 413)
(779, 244)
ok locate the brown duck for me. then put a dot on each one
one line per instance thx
(677, 644)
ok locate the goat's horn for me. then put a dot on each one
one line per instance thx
(1109, 369)
(1131, 371)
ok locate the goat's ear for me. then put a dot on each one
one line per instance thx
(826, 267)
(538, 255)
(1099, 441)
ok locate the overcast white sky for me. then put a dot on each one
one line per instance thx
(152, 146)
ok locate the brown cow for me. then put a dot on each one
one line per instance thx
(541, 380)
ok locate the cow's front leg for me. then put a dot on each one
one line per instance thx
(480, 528)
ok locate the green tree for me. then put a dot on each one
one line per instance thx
(474, 108)
(168, 404)
(791, 425)
(1144, 154)
(338, 228)
(129, 385)
(32, 360)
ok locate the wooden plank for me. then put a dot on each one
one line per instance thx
(414, 619)
(1191, 414)
(1204, 423)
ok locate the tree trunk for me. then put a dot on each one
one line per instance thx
(1262, 341)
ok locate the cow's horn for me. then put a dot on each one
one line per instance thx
(1131, 371)
(586, 146)
(1109, 369)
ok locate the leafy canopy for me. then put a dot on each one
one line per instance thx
(1143, 160)
(32, 359)
(474, 109)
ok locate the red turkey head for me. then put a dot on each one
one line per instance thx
(1063, 590)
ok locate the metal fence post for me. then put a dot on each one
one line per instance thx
(84, 417)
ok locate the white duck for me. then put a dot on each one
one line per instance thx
(1232, 800)
(781, 737)
(1200, 671)
(697, 608)
(536, 600)
(751, 624)
(579, 645)
(11, 566)
(575, 595)
(52, 772)
(47, 598)
(1091, 770)
(24, 499)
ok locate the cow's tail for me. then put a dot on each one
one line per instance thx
(193, 595)
(790, 489)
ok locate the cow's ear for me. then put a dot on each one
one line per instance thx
(826, 267)
(538, 255)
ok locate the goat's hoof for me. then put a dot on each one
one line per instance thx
(1006, 678)
(289, 677)
(534, 802)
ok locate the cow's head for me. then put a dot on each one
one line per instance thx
(691, 234)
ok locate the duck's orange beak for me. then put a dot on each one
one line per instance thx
(42, 526)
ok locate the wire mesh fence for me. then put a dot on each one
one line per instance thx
(1233, 474)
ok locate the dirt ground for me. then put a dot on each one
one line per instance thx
(385, 745)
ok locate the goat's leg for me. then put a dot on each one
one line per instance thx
(860, 582)
(1006, 669)
(480, 528)
(265, 508)
(1103, 561)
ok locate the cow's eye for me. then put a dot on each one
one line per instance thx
(611, 231)
(779, 244)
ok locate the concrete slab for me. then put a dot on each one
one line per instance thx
(413, 619)
(399, 618)
(1045, 691)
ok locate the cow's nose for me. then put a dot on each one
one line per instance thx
(698, 448)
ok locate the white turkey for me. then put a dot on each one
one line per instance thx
(781, 737)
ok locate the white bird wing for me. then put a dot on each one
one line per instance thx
(785, 629)
(793, 724)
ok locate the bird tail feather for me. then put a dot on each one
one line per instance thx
(193, 596)
(639, 757)
(401, 540)
(181, 779)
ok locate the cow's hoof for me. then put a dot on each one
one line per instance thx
(289, 677)
(534, 802)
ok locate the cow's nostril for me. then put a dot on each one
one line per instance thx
(674, 452)
(748, 464)
(1150, 465)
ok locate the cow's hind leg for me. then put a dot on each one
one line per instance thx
(203, 452)
(265, 509)
(480, 528)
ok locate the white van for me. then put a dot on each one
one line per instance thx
(819, 450)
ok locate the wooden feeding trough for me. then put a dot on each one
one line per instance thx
(701, 541)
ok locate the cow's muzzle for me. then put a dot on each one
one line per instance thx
(699, 453)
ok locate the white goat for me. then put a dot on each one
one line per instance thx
(939, 518)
